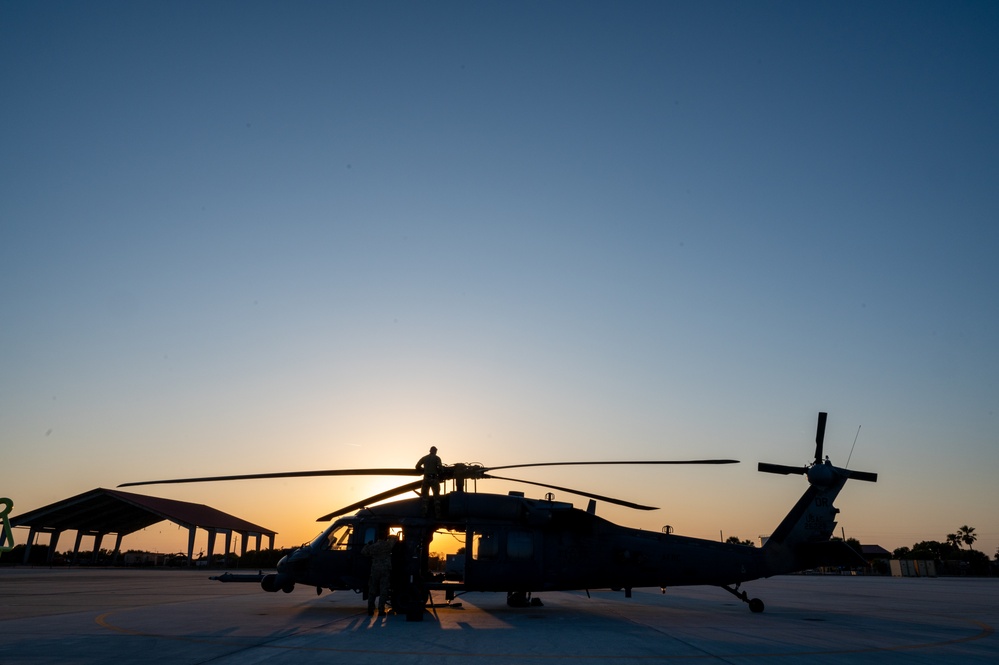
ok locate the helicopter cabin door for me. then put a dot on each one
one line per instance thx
(503, 558)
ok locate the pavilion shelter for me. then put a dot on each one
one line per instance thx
(101, 512)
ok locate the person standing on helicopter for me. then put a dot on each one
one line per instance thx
(431, 467)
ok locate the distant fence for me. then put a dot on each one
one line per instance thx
(912, 568)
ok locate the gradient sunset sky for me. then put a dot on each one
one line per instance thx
(244, 237)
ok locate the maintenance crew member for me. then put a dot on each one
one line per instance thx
(431, 467)
(380, 552)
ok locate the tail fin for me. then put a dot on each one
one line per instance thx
(801, 540)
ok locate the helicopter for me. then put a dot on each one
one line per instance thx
(522, 546)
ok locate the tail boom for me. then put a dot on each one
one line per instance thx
(801, 540)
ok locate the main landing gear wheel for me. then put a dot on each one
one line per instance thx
(522, 599)
(518, 599)
(755, 605)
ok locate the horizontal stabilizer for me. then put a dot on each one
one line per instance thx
(781, 469)
(863, 475)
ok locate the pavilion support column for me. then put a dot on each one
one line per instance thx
(228, 547)
(258, 541)
(76, 547)
(212, 533)
(242, 545)
(117, 549)
(270, 539)
(27, 546)
(53, 541)
(98, 538)
(191, 533)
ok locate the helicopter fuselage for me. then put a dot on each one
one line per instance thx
(514, 544)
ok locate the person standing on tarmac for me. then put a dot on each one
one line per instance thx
(431, 467)
(380, 552)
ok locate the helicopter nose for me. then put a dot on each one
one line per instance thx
(290, 567)
(295, 564)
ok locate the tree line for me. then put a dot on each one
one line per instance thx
(950, 554)
(953, 556)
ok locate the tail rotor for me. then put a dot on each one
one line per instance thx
(820, 472)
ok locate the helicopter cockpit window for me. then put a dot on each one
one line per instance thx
(335, 539)
(484, 546)
(519, 545)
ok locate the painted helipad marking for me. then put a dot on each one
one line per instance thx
(985, 630)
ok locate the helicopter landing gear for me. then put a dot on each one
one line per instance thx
(755, 604)
(410, 601)
(522, 599)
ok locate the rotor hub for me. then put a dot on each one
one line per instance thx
(462, 470)
(821, 475)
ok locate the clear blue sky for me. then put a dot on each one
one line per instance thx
(253, 236)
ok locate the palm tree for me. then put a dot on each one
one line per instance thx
(954, 540)
(967, 534)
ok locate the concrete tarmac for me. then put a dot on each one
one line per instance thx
(85, 615)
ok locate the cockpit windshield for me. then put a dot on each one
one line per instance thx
(334, 538)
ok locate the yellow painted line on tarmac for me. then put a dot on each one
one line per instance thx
(102, 621)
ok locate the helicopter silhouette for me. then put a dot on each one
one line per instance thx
(522, 546)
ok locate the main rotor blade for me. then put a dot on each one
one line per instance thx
(694, 461)
(282, 474)
(620, 502)
(373, 499)
(385, 472)
(782, 469)
(820, 435)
